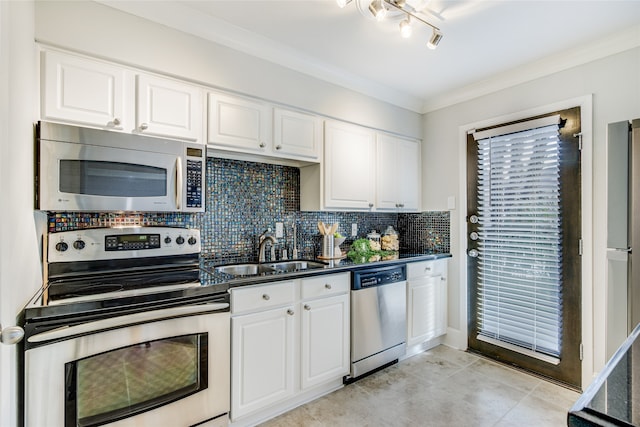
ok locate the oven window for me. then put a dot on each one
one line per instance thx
(130, 380)
(100, 178)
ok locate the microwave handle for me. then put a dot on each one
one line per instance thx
(179, 183)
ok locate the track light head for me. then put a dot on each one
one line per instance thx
(436, 36)
(377, 9)
(405, 28)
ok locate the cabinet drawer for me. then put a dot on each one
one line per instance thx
(427, 268)
(332, 284)
(262, 296)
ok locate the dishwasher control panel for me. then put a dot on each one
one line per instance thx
(378, 276)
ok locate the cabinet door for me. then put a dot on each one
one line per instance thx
(82, 91)
(387, 179)
(239, 123)
(421, 309)
(168, 108)
(408, 175)
(262, 354)
(349, 163)
(324, 340)
(296, 134)
(397, 173)
(441, 306)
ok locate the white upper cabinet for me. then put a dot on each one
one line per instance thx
(349, 166)
(83, 91)
(93, 93)
(296, 134)
(397, 173)
(167, 107)
(239, 124)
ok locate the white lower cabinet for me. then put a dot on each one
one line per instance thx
(263, 349)
(426, 301)
(288, 339)
(325, 340)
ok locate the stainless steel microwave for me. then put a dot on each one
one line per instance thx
(83, 169)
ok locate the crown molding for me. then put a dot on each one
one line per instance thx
(607, 46)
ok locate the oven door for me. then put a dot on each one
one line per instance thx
(164, 367)
(82, 177)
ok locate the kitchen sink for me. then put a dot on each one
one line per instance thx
(289, 266)
(255, 269)
(245, 269)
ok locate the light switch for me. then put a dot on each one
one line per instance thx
(354, 229)
(279, 230)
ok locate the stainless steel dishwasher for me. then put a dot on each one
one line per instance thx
(378, 318)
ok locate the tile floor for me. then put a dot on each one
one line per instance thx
(440, 387)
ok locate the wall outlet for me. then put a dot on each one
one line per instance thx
(354, 229)
(279, 230)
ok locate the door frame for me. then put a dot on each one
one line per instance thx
(459, 340)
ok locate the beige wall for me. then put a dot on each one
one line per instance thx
(615, 84)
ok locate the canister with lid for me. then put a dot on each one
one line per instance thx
(390, 240)
(374, 240)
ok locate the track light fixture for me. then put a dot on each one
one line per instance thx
(405, 28)
(379, 9)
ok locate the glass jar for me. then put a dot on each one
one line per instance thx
(374, 240)
(390, 240)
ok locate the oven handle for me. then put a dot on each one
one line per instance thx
(131, 319)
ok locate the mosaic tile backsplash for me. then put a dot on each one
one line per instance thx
(246, 198)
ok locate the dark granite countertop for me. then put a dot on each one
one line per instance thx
(613, 398)
(210, 277)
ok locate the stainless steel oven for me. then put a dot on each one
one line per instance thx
(82, 169)
(124, 334)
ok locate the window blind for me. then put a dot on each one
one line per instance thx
(520, 237)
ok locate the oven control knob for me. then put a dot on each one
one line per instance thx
(61, 246)
(192, 240)
(78, 244)
(180, 240)
(167, 240)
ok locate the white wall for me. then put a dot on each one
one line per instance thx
(99, 30)
(615, 84)
(20, 274)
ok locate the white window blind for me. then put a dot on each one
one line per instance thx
(519, 246)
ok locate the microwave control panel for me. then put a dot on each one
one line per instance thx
(195, 174)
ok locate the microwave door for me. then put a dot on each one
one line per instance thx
(76, 177)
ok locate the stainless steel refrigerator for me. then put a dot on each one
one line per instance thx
(623, 231)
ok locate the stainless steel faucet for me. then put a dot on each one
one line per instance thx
(264, 237)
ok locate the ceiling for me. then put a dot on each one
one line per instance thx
(487, 44)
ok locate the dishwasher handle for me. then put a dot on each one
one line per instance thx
(128, 320)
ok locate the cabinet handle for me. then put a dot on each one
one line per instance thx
(278, 147)
(266, 297)
(427, 269)
(307, 307)
(370, 205)
(116, 121)
(143, 126)
(327, 285)
(443, 278)
(402, 205)
(290, 312)
(262, 145)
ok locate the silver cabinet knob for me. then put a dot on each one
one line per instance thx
(11, 335)
(307, 307)
(144, 126)
(278, 147)
(290, 312)
(370, 205)
(266, 297)
(116, 121)
(327, 286)
(262, 145)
